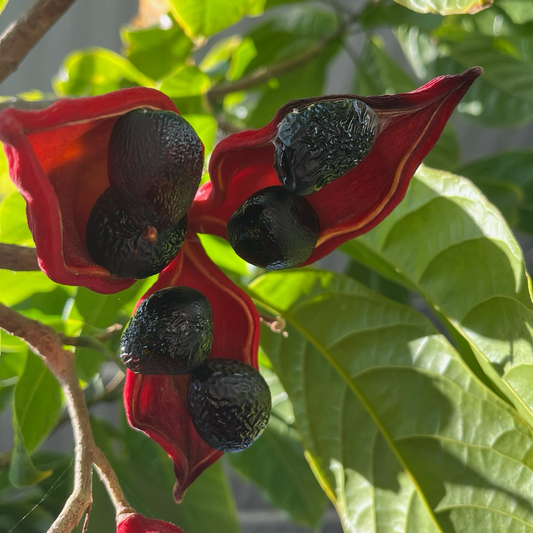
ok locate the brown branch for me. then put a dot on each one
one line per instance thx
(24, 34)
(47, 343)
(19, 258)
(276, 325)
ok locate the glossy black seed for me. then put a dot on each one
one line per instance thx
(322, 142)
(274, 229)
(171, 333)
(117, 243)
(155, 163)
(229, 403)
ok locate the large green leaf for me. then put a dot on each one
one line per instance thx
(186, 80)
(446, 7)
(276, 463)
(156, 51)
(201, 18)
(3, 4)
(447, 242)
(503, 96)
(507, 180)
(399, 431)
(97, 71)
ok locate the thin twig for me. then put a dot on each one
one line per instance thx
(263, 74)
(276, 325)
(19, 258)
(47, 343)
(24, 34)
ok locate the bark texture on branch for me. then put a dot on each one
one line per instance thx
(19, 258)
(26, 32)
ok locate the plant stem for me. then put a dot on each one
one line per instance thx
(20, 258)
(47, 343)
(24, 34)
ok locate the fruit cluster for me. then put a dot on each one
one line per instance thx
(276, 227)
(138, 224)
(172, 333)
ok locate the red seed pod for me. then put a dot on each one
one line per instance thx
(137, 523)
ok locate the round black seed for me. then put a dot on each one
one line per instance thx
(171, 333)
(274, 229)
(322, 142)
(229, 404)
(126, 249)
(155, 163)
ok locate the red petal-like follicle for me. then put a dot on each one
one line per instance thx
(137, 523)
(57, 158)
(409, 126)
(157, 405)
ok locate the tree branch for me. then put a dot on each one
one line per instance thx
(47, 343)
(24, 34)
(19, 258)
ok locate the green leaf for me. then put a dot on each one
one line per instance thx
(220, 252)
(396, 427)
(17, 286)
(97, 71)
(378, 73)
(445, 154)
(6, 185)
(37, 402)
(202, 18)
(146, 473)
(507, 180)
(503, 95)
(206, 128)
(13, 223)
(448, 243)
(22, 471)
(156, 51)
(520, 11)
(187, 80)
(446, 7)
(3, 4)
(276, 464)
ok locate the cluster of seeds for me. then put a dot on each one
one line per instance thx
(138, 224)
(277, 227)
(172, 333)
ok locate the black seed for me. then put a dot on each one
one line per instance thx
(155, 163)
(322, 142)
(229, 404)
(274, 229)
(117, 243)
(171, 333)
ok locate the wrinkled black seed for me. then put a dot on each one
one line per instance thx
(229, 403)
(322, 142)
(155, 163)
(117, 243)
(171, 333)
(274, 229)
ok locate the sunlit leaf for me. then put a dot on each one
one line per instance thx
(201, 18)
(187, 80)
(13, 223)
(398, 430)
(446, 7)
(97, 71)
(447, 242)
(156, 51)
(206, 128)
(3, 4)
